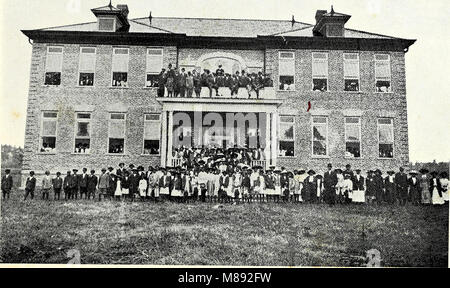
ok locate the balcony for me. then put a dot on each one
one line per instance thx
(225, 93)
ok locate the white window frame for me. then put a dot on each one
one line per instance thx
(312, 136)
(359, 71)
(112, 68)
(83, 120)
(86, 71)
(390, 71)
(108, 18)
(124, 132)
(146, 63)
(279, 75)
(312, 70)
(160, 133)
(280, 136)
(378, 137)
(62, 61)
(345, 135)
(41, 132)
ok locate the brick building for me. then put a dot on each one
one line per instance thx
(92, 102)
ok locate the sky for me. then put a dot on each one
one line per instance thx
(427, 62)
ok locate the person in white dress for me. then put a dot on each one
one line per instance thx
(118, 192)
(347, 188)
(339, 186)
(435, 188)
(143, 185)
(444, 185)
(358, 187)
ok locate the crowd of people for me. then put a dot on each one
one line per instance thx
(225, 182)
(180, 83)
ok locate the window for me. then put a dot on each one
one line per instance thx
(106, 24)
(87, 66)
(116, 133)
(383, 73)
(385, 138)
(287, 133)
(320, 136)
(351, 71)
(48, 132)
(152, 133)
(120, 67)
(53, 65)
(352, 137)
(286, 70)
(154, 66)
(320, 71)
(83, 133)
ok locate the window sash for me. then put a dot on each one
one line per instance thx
(154, 60)
(320, 65)
(382, 67)
(83, 118)
(321, 125)
(87, 60)
(351, 66)
(106, 24)
(120, 60)
(152, 128)
(54, 59)
(117, 127)
(49, 124)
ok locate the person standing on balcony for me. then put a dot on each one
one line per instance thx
(220, 74)
(234, 84)
(182, 82)
(197, 83)
(170, 81)
(161, 82)
(189, 84)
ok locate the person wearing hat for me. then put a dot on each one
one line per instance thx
(358, 187)
(186, 185)
(57, 184)
(444, 185)
(310, 188)
(370, 187)
(66, 185)
(414, 188)
(237, 183)
(164, 185)
(73, 185)
(319, 184)
(390, 189)
(103, 184)
(401, 182)
(378, 186)
(92, 185)
(329, 185)
(120, 170)
(284, 183)
(245, 186)
(30, 185)
(134, 184)
(7, 184)
(269, 185)
(298, 184)
(425, 195)
(161, 83)
(46, 185)
(142, 186)
(277, 183)
(347, 188)
(112, 183)
(82, 182)
(339, 186)
(118, 191)
(436, 189)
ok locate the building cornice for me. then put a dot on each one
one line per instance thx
(184, 41)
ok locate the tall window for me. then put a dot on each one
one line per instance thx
(152, 133)
(154, 66)
(48, 132)
(383, 72)
(320, 136)
(351, 71)
(87, 66)
(116, 133)
(286, 70)
(120, 67)
(352, 137)
(287, 136)
(53, 65)
(320, 71)
(83, 133)
(385, 138)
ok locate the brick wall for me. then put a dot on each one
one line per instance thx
(68, 98)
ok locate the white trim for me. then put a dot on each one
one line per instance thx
(112, 68)
(160, 134)
(345, 136)
(312, 137)
(359, 70)
(312, 69)
(83, 120)
(62, 61)
(390, 71)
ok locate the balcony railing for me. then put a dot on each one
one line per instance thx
(225, 92)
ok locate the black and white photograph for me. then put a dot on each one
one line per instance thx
(237, 133)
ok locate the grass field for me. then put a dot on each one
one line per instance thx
(198, 234)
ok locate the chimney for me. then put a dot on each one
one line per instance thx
(124, 9)
(319, 14)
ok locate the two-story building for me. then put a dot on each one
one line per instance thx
(338, 94)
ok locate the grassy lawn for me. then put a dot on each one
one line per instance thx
(198, 234)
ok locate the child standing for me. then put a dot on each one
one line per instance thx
(57, 185)
(143, 185)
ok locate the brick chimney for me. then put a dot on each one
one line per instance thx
(319, 14)
(124, 9)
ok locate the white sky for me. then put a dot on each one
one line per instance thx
(427, 62)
